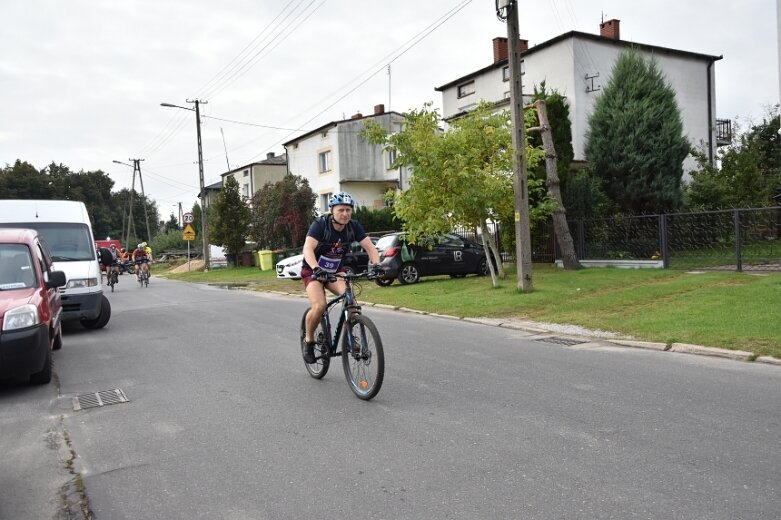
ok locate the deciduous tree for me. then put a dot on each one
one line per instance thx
(282, 213)
(461, 177)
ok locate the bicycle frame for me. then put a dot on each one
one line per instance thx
(349, 306)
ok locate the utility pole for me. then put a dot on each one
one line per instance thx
(508, 10)
(137, 167)
(130, 222)
(204, 237)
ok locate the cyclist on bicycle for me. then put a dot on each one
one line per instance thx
(140, 258)
(327, 242)
(114, 268)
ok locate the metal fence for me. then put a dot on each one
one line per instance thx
(738, 240)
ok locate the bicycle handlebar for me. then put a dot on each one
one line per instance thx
(332, 277)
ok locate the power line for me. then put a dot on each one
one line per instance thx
(388, 58)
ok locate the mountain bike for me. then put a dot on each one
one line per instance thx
(361, 351)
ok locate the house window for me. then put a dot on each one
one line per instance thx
(324, 160)
(246, 190)
(246, 173)
(466, 89)
(397, 127)
(392, 155)
(324, 198)
(506, 71)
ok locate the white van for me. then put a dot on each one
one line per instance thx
(66, 228)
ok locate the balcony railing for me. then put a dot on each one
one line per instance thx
(723, 132)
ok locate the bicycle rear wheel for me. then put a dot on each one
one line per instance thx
(319, 368)
(363, 359)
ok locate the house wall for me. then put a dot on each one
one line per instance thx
(357, 167)
(257, 175)
(564, 67)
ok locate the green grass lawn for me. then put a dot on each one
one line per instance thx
(721, 309)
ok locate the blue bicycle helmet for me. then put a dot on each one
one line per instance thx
(341, 198)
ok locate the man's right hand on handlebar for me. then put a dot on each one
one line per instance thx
(318, 273)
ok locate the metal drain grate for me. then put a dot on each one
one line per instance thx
(104, 398)
(568, 342)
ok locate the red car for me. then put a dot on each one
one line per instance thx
(30, 306)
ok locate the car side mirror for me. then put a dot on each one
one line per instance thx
(56, 279)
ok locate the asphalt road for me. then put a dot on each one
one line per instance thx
(473, 421)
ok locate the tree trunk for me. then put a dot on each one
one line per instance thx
(560, 226)
(488, 254)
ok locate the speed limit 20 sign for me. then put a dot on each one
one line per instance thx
(188, 218)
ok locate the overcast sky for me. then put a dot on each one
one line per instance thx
(82, 80)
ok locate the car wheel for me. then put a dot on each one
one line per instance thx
(102, 319)
(57, 344)
(383, 282)
(349, 269)
(482, 268)
(409, 273)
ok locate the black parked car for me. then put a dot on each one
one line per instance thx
(443, 254)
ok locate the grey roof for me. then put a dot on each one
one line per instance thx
(587, 36)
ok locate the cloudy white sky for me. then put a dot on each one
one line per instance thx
(82, 81)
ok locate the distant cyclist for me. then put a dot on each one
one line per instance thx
(114, 268)
(327, 242)
(141, 259)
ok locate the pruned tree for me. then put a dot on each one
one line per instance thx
(560, 226)
(635, 142)
(229, 224)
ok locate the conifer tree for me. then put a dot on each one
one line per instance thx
(635, 142)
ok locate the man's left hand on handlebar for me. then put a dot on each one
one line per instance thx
(375, 271)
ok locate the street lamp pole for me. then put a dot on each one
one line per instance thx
(202, 193)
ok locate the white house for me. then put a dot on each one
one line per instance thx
(577, 65)
(335, 157)
(252, 177)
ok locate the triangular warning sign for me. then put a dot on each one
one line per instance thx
(189, 233)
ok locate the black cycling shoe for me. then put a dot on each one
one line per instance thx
(308, 352)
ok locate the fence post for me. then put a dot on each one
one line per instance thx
(663, 241)
(738, 255)
(581, 240)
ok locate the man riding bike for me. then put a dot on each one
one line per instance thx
(141, 259)
(114, 268)
(327, 242)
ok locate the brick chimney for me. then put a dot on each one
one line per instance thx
(610, 29)
(357, 115)
(269, 155)
(502, 49)
(379, 109)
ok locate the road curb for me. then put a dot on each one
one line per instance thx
(541, 331)
(686, 348)
(639, 344)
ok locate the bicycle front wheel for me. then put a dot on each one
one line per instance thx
(362, 357)
(319, 368)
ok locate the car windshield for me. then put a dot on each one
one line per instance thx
(16, 268)
(68, 242)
